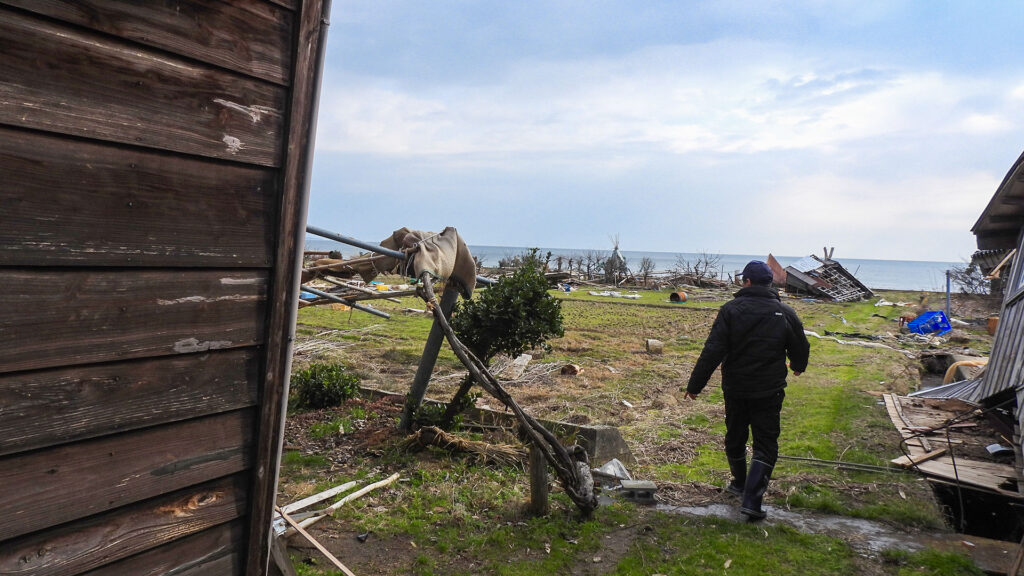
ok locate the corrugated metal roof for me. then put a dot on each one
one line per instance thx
(966, 390)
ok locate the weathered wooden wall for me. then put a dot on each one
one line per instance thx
(155, 165)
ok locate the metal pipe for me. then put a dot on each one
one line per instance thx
(353, 242)
(372, 247)
(323, 294)
(948, 317)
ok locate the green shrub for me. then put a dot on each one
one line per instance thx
(512, 316)
(323, 386)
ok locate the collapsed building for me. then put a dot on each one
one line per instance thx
(819, 277)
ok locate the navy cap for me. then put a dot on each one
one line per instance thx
(758, 273)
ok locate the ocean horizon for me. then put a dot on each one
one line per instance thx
(918, 275)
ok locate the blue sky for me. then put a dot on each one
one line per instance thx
(730, 127)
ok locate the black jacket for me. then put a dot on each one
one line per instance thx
(751, 338)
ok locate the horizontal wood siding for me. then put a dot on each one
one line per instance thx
(154, 159)
(213, 552)
(249, 37)
(80, 546)
(49, 407)
(121, 469)
(60, 318)
(68, 202)
(62, 79)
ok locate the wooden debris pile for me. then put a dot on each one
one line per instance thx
(823, 278)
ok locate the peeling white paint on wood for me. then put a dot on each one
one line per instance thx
(255, 112)
(193, 345)
(234, 144)
(237, 281)
(191, 299)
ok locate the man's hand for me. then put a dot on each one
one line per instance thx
(690, 396)
(797, 373)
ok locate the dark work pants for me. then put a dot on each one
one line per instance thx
(761, 417)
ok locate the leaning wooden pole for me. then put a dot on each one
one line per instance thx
(573, 470)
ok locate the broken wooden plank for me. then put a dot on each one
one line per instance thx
(333, 507)
(337, 563)
(320, 497)
(910, 461)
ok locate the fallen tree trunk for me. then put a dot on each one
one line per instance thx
(572, 470)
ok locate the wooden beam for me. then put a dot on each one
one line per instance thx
(334, 560)
(311, 40)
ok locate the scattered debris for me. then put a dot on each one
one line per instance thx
(825, 278)
(640, 491)
(654, 346)
(928, 322)
(571, 370)
(501, 454)
(515, 369)
(613, 469)
(616, 294)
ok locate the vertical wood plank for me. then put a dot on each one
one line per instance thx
(311, 43)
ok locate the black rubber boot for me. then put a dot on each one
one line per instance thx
(738, 467)
(753, 492)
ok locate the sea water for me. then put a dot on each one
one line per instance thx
(880, 274)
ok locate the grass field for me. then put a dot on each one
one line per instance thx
(450, 515)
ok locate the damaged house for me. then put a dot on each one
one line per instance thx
(1001, 227)
(820, 277)
(934, 421)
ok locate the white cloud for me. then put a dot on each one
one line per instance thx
(920, 218)
(725, 97)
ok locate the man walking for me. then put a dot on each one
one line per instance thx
(751, 338)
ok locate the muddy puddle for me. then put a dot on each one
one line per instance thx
(864, 536)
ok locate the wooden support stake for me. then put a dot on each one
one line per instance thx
(314, 542)
(538, 482)
(428, 359)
